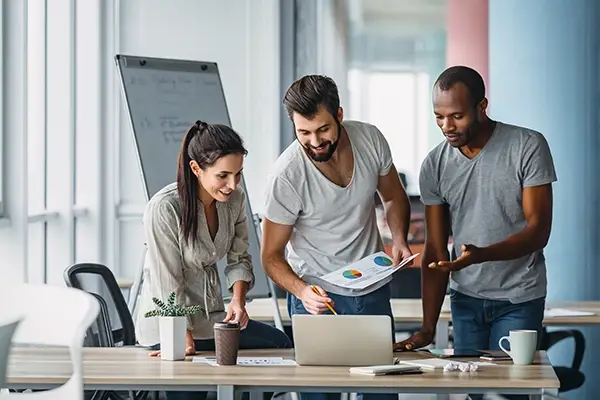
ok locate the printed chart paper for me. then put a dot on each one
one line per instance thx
(366, 271)
(250, 361)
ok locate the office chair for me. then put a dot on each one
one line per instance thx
(98, 279)
(114, 326)
(570, 377)
(71, 311)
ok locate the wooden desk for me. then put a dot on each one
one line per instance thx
(588, 306)
(410, 311)
(125, 283)
(132, 369)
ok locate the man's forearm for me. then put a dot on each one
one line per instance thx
(397, 215)
(516, 246)
(281, 273)
(433, 286)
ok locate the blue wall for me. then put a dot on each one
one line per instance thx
(544, 74)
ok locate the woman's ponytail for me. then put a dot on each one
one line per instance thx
(187, 186)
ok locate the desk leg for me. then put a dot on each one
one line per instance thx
(442, 335)
(547, 394)
(225, 392)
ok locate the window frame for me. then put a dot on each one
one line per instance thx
(2, 180)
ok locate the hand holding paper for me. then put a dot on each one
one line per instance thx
(401, 252)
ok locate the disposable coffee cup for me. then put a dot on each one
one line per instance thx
(227, 342)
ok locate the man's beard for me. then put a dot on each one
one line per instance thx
(467, 135)
(471, 131)
(331, 147)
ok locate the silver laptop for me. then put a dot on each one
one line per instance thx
(343, 340)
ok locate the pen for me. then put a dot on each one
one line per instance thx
(314, 289)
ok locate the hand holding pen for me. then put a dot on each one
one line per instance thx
(316, 300)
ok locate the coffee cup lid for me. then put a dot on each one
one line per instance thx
(229, 325)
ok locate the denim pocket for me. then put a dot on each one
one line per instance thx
(296, 306)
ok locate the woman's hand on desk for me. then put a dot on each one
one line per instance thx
(416, 341)
(236, 312)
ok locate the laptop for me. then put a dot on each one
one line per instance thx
(343, 340)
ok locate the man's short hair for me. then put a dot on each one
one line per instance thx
(465, 75)
(306, 94)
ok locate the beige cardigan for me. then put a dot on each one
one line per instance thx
(171, 265)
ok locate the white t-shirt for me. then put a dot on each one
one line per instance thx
(333, 226)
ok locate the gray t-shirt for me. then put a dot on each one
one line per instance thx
(484, 195)
(333, 226)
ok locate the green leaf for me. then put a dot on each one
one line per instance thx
(171, 308)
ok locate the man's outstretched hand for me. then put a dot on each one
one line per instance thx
(470, 255)
(416, 341)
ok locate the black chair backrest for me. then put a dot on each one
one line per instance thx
(99, 280)
(406, 284)
(100, 334)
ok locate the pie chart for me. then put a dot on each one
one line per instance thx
(382, 261)
(351, 274)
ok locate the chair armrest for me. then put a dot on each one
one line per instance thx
(554, 337)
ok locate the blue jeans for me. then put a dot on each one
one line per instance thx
(257, 335)
(479, 324)
(375, 303)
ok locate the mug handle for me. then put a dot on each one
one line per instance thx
(502, 347)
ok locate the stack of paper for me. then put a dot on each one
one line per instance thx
(384, 370)
(563, 312)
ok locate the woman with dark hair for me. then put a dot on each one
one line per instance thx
(190, 225)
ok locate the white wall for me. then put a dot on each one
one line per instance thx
(72, 189)
(244, 41)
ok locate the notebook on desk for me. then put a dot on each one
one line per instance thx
(426, 363)
(377, 370)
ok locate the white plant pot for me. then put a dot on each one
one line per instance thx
(172, 337)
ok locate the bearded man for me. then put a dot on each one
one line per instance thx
(320, 203)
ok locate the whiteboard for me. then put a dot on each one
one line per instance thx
(164, 98)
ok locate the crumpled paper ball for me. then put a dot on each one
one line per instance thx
(450, 367)
(463, 367)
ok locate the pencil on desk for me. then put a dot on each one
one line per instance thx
(314, 289)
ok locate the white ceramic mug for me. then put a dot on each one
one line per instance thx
(523, 344)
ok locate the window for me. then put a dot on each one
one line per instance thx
(36, 141)
(397, 103)
(1, 114)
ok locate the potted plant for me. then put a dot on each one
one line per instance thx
(172, 326)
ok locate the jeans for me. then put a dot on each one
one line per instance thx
(375, 303)
(257, 335)
(479, 324)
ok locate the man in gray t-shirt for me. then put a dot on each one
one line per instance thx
(489, 184)
(320, 205)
